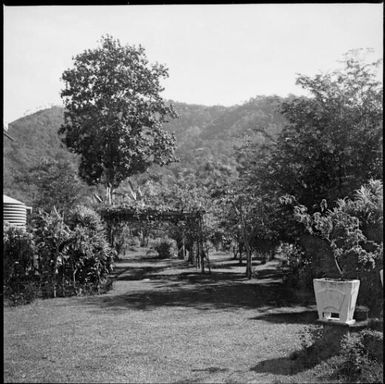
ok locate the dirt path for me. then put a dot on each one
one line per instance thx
(163, 322)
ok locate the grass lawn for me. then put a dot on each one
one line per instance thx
(164, 322)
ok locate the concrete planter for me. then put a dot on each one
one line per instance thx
(336, 299)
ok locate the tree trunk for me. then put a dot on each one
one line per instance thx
(190, 258)
(247, 246)
(180, 246)
(183, 248)
(200, 245)
(109, 192)
(197, 259)
(240, 253)
(202, 260)
(143, 237)
(206, 256)
(249, 264)
(235, 252)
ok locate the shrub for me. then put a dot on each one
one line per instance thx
(122, 237)
(314, 348)
(297, 265)
(165, 247)
(59, 257)
(357, 358)
(134, 242)
(354, 356)
(343, 228)
(88, 218)
(52, 236)
(85, 217)
(18, 265)
(18, 253)
(22, 292)
(351, 232)
(373, 342)
(74, 255)
(88, 257)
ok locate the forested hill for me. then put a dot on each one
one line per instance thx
(204, 135)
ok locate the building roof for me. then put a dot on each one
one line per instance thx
(10, 200)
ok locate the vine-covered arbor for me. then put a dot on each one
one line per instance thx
(193, 220)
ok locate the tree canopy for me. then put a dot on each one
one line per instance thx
(54, 183)
(114, 113)
(332, 142)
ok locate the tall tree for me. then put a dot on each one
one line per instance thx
(332, 143)
(114, 113)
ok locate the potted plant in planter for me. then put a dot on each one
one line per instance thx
(341, 228)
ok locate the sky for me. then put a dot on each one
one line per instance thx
(216, 54)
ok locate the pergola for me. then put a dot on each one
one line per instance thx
(194, 219)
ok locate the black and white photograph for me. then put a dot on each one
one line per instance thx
(193, 193)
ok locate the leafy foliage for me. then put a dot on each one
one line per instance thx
(342, 229)
(51, 236)
(296, 265)
(165, 247)
(57, 256)
(114, 113)
(356, 358)
(18, 264)
(330, 145)
(357, 362)
(88, 252)
(333, 142)
(54, 184)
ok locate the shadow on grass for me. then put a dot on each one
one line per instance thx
(279, 366)
(137, 273)
(170, 283)
(268, 273)
(298, 361)
(221, 265)
(210, 370)
(219, 290)
(139, 269)
(304, 317)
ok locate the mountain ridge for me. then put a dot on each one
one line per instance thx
(203, 134)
